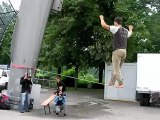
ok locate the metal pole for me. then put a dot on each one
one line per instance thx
(27, 39)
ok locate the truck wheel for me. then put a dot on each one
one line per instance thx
(6, 85)
(145, 101)
(142, 103)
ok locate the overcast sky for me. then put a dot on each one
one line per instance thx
(16, 3)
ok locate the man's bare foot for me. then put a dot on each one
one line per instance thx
(120, 84)
(111, 83)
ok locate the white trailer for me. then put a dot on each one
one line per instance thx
(148, 79)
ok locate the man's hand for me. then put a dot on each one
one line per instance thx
(130, 27)
(101, 17)
(103, 23)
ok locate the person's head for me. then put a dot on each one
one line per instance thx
(118, 21)
(59, 93)
(58, 78)
(26, 74)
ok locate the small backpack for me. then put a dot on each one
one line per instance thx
(30, 107)
(4, 102)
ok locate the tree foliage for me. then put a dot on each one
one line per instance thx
(7, 23)
(6, 44)
(74, 36)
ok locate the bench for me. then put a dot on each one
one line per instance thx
(47, 102)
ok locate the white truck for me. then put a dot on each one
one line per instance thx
(4, 78)
(148, 79)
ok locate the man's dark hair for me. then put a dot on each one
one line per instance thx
(118, 20)
(58, 77)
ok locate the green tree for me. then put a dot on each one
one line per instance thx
(141, 14)
(69, 38)
(7, 23)
(74, 32)
(6, 44)
(74, 37)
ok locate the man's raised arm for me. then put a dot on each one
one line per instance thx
(103, 23)
(130, 30)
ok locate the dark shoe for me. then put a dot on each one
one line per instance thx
(65, 114)
(57, 113)
(21, 112)
(27, 111)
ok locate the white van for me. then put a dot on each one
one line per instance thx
(4, 78)
(148, 78)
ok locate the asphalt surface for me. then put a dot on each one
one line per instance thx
(87, 104)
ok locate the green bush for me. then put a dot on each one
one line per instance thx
(85, 80)
(68, 81)
(43, 74)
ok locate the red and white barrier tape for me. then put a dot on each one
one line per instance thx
(22, 67)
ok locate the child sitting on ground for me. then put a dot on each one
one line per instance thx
(60, 105)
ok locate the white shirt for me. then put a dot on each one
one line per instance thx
(114, 29)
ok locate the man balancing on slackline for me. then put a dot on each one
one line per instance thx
(120, 35)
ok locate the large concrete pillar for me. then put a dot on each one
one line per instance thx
(27, 39)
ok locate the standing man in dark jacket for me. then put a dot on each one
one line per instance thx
(25, 91)
(120, 36)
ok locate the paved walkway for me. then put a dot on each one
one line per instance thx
(87, 104)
